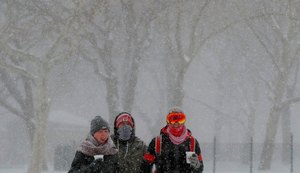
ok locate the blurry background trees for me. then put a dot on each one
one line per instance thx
(231, 65)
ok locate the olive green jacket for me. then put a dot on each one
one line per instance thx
(130, 155)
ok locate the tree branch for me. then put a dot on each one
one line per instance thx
(17, 69)
(218, 111)
(10, 108)
(289, 102)
(13, 52)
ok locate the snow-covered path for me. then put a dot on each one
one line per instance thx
(225, 167)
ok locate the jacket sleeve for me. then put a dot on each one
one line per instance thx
(83, 163)
(198, 152)
(149, 158)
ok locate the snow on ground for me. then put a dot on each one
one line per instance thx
(24, 170)
(225, 167)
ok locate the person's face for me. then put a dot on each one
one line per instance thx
(102, 135)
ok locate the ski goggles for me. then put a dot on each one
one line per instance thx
(175, 117)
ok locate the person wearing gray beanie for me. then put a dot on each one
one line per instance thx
(97, 153)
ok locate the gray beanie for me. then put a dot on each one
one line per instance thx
(175, 109)
(97, 124)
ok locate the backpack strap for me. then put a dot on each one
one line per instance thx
(158, 140)
(193, 146)
(192, 143)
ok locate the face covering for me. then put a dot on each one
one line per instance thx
(125, 132)
(176, 131)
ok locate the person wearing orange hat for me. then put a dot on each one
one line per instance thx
(131, 148)
(175, 150)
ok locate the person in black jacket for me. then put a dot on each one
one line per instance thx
(131, 148)
(175, 150)
(97, 154)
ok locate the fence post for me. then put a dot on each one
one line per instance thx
(214, 155)
(251, 154)
(292, 152)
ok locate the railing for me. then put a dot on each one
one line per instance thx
(244, 153)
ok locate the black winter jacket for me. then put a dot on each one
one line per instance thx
(172, 157)
(83, 163)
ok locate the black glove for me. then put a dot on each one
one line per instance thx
(96, 164)
(195, 163)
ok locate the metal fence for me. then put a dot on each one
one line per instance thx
(246, 154)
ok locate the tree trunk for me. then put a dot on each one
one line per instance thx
(30, 126)
(268, 147)
(286, 129)
(39, 142)
(112, 98)
(272, 123)
(111, 82)
(176, 92)
(280, 88)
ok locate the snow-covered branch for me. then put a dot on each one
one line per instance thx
(9, 107)
(13, 52)
(290, 101)
(17, 69)
(215, 109)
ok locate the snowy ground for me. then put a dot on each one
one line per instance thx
(224, 167)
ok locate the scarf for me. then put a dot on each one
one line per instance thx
(91, 147)
(177, 138)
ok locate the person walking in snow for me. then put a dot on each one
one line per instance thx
(97, 153)
(131, 148)
(175, 150)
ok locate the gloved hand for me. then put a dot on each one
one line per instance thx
(96, 164)
(195, 163)
(98, 161)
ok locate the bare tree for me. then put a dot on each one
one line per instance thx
(123, 28)
(278, 42)
(179, 56)
(286, 115)
(187, 27)
(26, 62)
